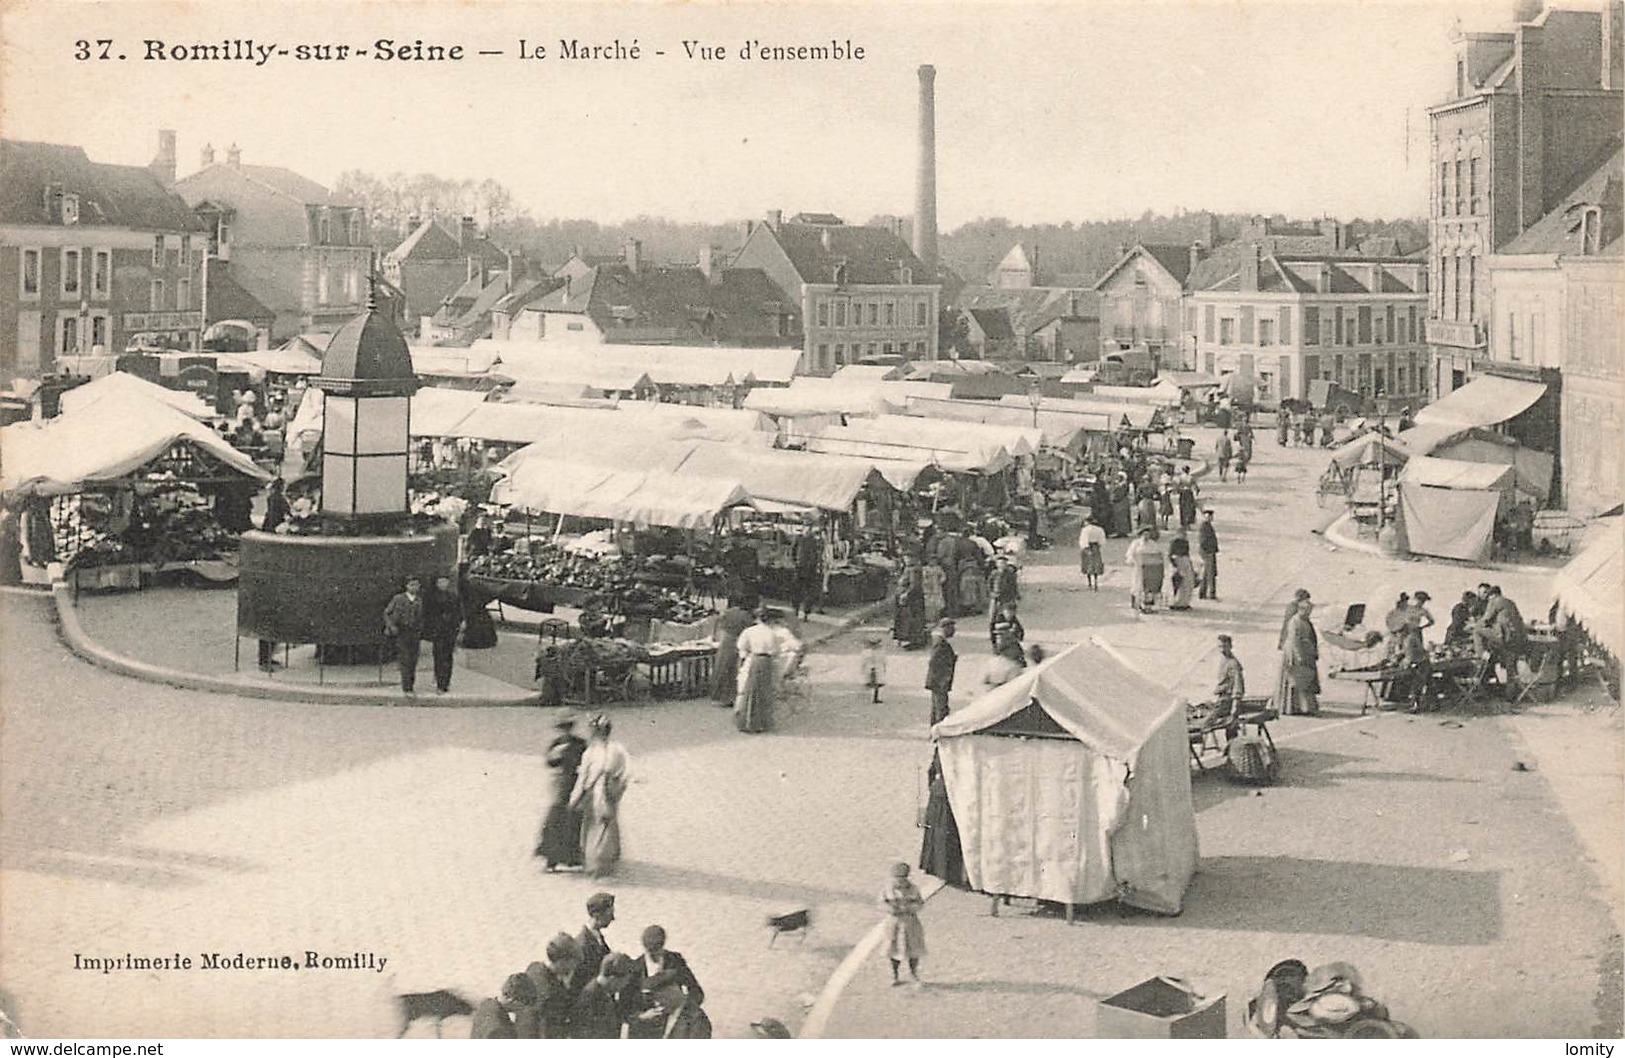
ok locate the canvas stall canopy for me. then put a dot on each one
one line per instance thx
(828, 396)
(1532, 469)
(553, 485)
(1060, 430)
(288, 360)
(123, 386)
(564, 394)
(663, 365)
(735, 426)
(1590, 587)
(436, 411)
(806, 479)
(1071, 783)
(1370, 449)
(965, 457)
(865, 373)
(1485, 401)
(1161, 393)
(926, 433)
(105, 441)
(1135, 416)
(1448, 508)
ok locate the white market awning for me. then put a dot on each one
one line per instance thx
(1485, 401)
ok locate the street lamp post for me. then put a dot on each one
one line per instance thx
(1035, 399)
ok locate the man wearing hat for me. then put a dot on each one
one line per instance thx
(600, 913)
(403, 624)
(551, 978)
(1232, 683)
(494, 1018)
(597, 1014)
(1207, 545)
(939, 669)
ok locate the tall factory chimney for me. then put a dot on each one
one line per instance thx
(925, 187)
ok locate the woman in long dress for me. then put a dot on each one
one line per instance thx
(758, 651)
(972, 587)
(1146, 557)
(725, 664)
(932, 578)
(597, 796)
(941, 854)
(1283, 686)
(905, 940)
(908, 621)
(1179, 556)
(560, 842)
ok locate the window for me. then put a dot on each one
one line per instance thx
(886, 348)
(156, 302)
(891, 313)
(1190, 319)
(1461, 202)
(223, 233)
(157, 251)
(920, 314)
(1286, 327)
(1461, 78)
(823, 313)
(70, 336)
(1311, 325)
(1473, 204)
(186, 251)
(1311, 367)
(1444, 188)
(873, 349)
(1363, 318)
(183, 293)
(1227, 331)
(1207, 322)
(98, 332)
(840, 354)
(1389, 330)
(1339, 323)
(323, 278)
(29, 279)
(101, 274)
(324, 229)
(70, 272)
(919, 347)
(1247, 329)
(1472, 283)
(574, 327)
(874, 313)
(1410, 316)
(840, 314)
(352, 289)
(1400, 382)
(1266, 332)
(355, 228)
(823, 355)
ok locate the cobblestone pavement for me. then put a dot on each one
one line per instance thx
(137, 818)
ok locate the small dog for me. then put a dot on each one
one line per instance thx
(438, 1005)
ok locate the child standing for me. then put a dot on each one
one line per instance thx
(872, 666)
(1240, 468)
(902, 901)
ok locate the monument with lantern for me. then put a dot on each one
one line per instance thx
(327, 582)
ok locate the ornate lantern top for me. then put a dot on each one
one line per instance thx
(368, 357)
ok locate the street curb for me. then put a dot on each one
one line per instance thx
(818, 1016)
(73, 635)
(847, 623)
(1336, 534)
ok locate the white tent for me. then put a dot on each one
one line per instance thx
(1059, 430)
(1072, 783)
(808, 479)
(1448, 508)
(1161, 393)
(289, 360)
(929, 433)
(1138, 416)
(563, 486)
(1590, 587)
(122, 385)
(738, 426)
(436, 411)
(828, 396)
(103, 441)
(967, 456)
(1370, 449)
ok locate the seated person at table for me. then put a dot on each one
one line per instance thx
(1461, 620)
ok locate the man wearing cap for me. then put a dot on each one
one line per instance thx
(600, 913)
(1232, 683)
(1207, 545)
(403, 624)
(939, 669)
(551, 977)
(494, 1018)
(597, 1014)
(647, 998)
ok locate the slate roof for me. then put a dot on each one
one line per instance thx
(1298, 273)
(289, 183)
(1559, 231)
(995, 323)
(431, 242)
(229, 300)
(124, 196)
(871, 255)
(1031, 308)
(738, 306)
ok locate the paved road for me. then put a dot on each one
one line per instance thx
(137, 818)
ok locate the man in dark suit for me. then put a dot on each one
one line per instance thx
(403, 624)
(600, 913)
(597, 1013)
(551, 977)
(494, 1018)
(657, 970)
(442, 619)
(1207, 545)
(939, 669)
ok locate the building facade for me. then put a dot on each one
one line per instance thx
(94, 258)
(1557, 308)
(1288, 319)
(431, 264)
(860, 291)
(297, 251)
(1532, 110)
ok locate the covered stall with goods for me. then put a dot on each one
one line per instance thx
(1450, 509)
(1365, 471)
(1588, 590)
(1071, 784)
(128, 486)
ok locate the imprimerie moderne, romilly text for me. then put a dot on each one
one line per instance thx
(221, 960)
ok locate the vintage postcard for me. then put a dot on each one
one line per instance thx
(819, 520)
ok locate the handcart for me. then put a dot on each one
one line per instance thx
(1215, 730)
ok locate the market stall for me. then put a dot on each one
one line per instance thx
(134, 487)
(1449, 508)
(1070, 784)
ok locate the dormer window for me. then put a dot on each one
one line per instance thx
(70, 209)
(840, 275)
(905, 275)
(1591, 230)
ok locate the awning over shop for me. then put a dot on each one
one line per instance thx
(104, 441)
(1485, 401)
(1590, 587)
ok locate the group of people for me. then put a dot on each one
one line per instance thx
(960, 578)
(414, 615)
(581, 989)
(1300, 428)
(758, 659)
(582, 827)
(1149, 560)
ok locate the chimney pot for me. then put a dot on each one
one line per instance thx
(632, 254)
(208, 155)
(925, 188)
(823, 237)
(775, 217)
(467, 233)
(163, 164)
(234, 155)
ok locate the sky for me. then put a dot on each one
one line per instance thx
(1093, 109)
